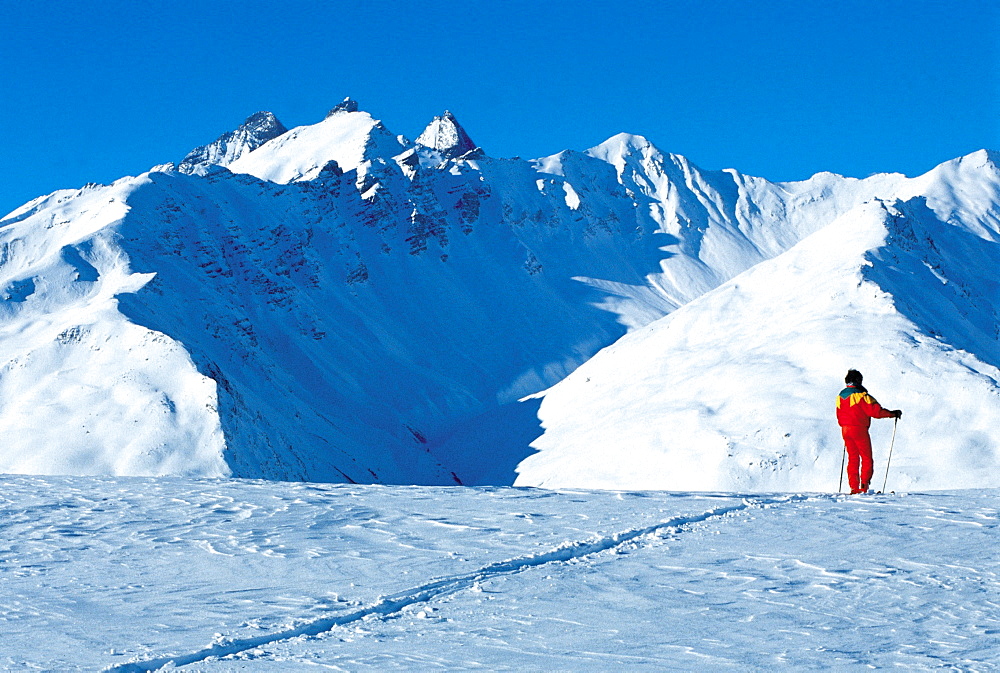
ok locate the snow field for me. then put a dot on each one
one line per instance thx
(137, 574)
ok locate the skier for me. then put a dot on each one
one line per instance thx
(855, 411)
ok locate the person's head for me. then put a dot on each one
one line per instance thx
(853, 377)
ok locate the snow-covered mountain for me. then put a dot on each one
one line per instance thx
(337, 303)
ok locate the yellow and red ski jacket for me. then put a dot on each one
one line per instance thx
(856, 407)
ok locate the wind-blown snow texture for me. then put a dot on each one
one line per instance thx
(337, 303)
(138, 574)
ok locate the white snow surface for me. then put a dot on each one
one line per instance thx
(131, 574)
(339, 304)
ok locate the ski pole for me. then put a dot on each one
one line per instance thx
(843, 455)
(891, 442)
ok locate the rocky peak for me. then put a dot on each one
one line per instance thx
(447, 136)
(258, 129)
(261, 125)
(346, 105)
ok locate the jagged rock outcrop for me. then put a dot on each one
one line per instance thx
(258, 129)
(346, 105)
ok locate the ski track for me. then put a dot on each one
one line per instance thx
(396, 603)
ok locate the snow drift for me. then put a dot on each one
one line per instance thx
(338, 303)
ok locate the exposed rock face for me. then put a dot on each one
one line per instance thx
(258, 129)
(346, 105)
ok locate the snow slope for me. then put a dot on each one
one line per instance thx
(349, 138)
(337, 303)
(735, 390)
(140, 574)
(83, 389)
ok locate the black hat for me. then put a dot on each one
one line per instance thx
(853, 377)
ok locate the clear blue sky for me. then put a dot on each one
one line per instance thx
(92, 91)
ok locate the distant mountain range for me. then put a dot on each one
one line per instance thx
(338, 303)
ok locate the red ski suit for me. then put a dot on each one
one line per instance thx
(855, 411)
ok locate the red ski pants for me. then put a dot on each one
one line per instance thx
(859, 457)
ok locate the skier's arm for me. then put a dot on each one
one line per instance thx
(875, 410)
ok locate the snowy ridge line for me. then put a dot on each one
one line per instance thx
(390, 605)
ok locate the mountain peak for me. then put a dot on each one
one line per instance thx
(349, 138)
(346, 105)
(622, 145)
(256, 130)
(263, 123)
(447, 136)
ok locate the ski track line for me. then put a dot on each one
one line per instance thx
(390, 605)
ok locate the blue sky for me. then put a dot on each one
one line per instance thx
(92, 91)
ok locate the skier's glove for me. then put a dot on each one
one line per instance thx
(898, 413)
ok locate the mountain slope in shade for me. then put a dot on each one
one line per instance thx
(735, 391)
